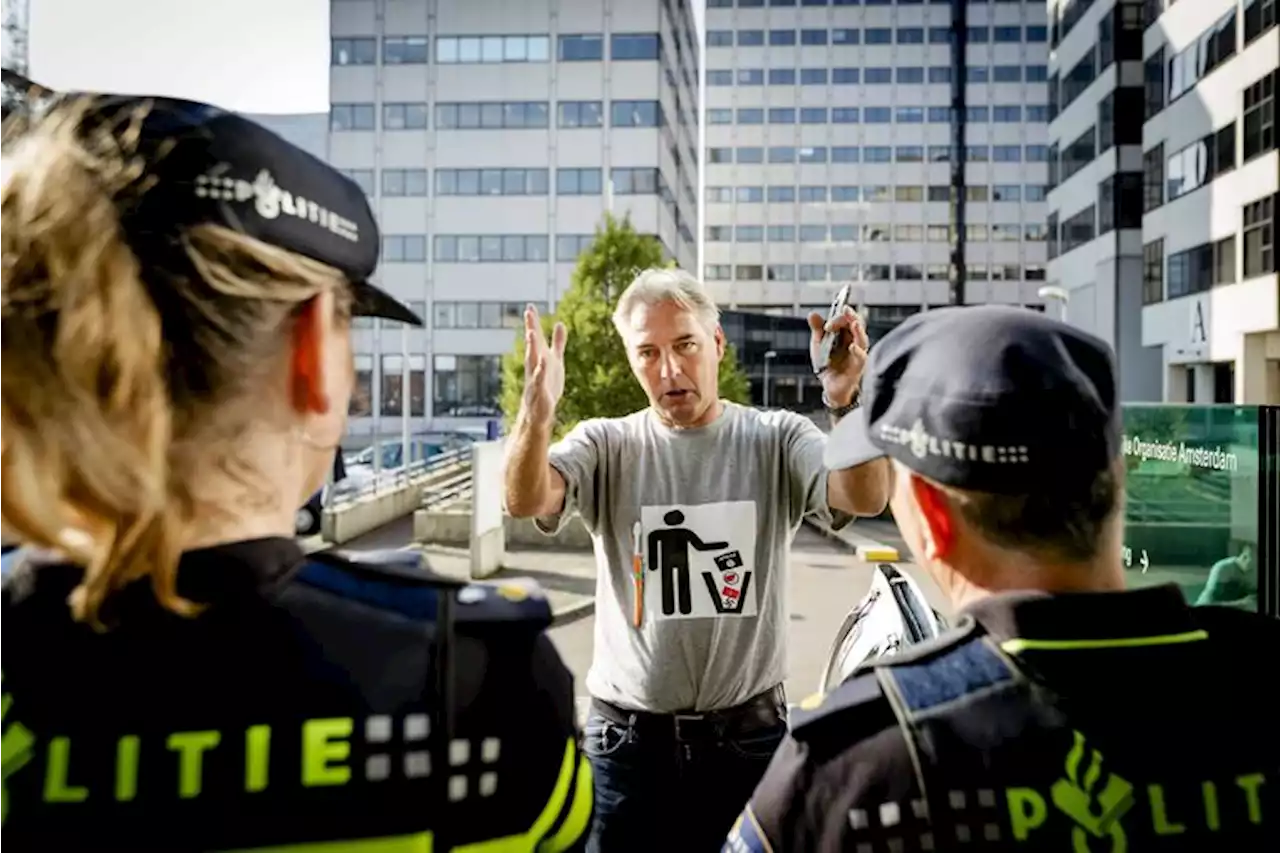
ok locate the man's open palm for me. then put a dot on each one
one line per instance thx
(543, 367)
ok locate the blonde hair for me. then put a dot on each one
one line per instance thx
(666, 285)
(116, 370)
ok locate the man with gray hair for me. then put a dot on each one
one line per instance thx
(692, 504)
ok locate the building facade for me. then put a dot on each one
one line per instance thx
(491, 138)
(1163, 206)
(308, 131)
(834, 132)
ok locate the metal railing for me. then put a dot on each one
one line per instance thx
(447, 466)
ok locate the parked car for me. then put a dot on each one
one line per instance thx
(308, 520)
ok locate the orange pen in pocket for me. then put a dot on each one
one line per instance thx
(637, 570)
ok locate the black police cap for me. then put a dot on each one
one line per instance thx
(205, 165)
(986, 398)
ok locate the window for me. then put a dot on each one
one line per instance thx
(719, 194)
(404, 50)
(910, 35)
(813, 115)
(578, 182)
(909, 75)
(750, 38)
(590, 47)
(1006, 35)
(717, 272)
(363, 178)
(813, 233)
(404, 116)
(1078, 229)
(1078, 154)
(635, 114)
(879, 76)
(846, 36)
(908, 154)
(404, 248)
(749, 233)
(844, 76)
(644, 181)
(813, 76)
(782, 76)
(569, 246)
(719, 155)
(1037, 73)
(404, 182)
(1215, 46)
(878, 35)
(749, 154)
(571, 114)
(782, 115)
(939, 74)
(480, 315)
(784, 38)
(466, 385)
(744, 195)
(362, 395)
(781, 194)
(1153, 178)
(720, 77)
(1007, 74)
(813, 195)
(1153, 272)
(1200, 162)
(1077, 80)
(716, 38)
(634, 46)
(781, 233)
(1008, 113)
(1259, 16)
(782, 154)
(750, 77)
(491, 115)
(351, 117)
(747, 115)
(1153, 84)
(1036, 153)
(845, 154)
(1259, 117)
(1197, 269)
(353, 51)
(392, 374)
(497, 248)
(1260, 237)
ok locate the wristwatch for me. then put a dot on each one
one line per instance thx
(841, 411)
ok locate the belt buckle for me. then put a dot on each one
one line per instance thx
(696, 724)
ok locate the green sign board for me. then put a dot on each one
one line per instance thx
(1197, 501)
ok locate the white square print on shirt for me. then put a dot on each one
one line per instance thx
(700, 560)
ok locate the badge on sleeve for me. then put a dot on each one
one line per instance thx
(746, 836)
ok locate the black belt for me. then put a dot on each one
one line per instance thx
(762, 711)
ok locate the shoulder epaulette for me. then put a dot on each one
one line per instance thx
(857, 705)
(401, 581)
(514, 601)
(396, 581)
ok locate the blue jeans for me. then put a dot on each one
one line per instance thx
(655, 791)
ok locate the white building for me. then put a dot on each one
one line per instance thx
(487, 134)
(308, 131)
(829, 129)
(1162, 229)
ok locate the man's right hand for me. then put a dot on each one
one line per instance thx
(543, 368)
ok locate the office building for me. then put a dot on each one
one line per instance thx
(831, 127)
(491, 136)
(1163, 205)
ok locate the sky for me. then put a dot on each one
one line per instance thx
(257, 56)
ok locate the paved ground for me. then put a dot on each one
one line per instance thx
(826, 581)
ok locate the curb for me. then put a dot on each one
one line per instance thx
(573, 612)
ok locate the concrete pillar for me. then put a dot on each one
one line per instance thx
(1257, 377)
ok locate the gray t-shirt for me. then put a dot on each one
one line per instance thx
(717, 508)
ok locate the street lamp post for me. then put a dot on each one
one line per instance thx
(1060, 295)
(768, 357)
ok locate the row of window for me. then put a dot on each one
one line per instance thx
(472, 249)
(870, 272)
(879, 154)
(450, 50)
(846, 36)
(463, 385)
(1167, 78)
(789, 4)
(1000, 113)
(876, 232)
(824, 194)
(1216, 263)
(1189, 168)
(874, 75)
(509, 182)
(495, 115)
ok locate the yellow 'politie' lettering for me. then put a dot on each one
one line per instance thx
(191, 747)
(325, 745)
(1028, 808)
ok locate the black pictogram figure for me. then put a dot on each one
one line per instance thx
(669, 554)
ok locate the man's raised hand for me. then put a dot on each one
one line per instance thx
(543, 367)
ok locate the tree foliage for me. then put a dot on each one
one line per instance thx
(598, 379)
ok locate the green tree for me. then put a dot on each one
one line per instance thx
(598, 380)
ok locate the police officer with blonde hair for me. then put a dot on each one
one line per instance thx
(1062, 713)
(177, 364)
